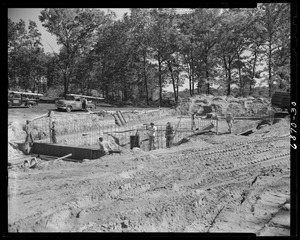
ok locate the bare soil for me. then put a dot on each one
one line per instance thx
(212, 183)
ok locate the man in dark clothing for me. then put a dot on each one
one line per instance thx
(169, 135)
(229, 120)
(84, 104)
(29, 139)
(53, 133)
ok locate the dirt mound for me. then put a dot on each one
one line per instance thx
(222, 104)
(236, 109)
(231, 99)
(15, 131)
(280, 128)
(13, 150)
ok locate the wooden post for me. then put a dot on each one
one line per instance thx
(50, 114)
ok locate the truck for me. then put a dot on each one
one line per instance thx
(74, 102)
(18, 99)
(281, 100)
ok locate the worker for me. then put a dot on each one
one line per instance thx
(29, 139)
(152, 134)
(53, 133)
(84, 104)
(41, 134)
(193, 124)
(169, 135)
(105, 146)
(229, 120)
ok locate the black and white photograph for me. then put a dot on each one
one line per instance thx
(146, 120)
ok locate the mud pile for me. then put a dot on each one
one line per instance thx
(280, 128)
(223, 104)
(13, 150)
(15, 131)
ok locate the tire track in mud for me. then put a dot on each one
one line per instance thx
(227, 176)
(184, 191)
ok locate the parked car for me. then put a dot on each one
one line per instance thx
(73, 102)
(16, 99)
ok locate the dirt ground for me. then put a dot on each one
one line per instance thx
(212, 183)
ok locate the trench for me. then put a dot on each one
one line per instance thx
(83, 135)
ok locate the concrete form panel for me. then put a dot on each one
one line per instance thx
(57, 150)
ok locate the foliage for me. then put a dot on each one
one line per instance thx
(75, 29)
(220, 51)
(26, 58)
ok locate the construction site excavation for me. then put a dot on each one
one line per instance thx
(209, 179)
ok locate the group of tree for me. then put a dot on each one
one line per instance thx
(149, 49)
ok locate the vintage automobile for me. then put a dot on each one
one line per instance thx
(73, 102)
(17, 99)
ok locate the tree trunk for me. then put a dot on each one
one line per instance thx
(107, 92)
(125, 90)
(227, 73)
(193, 84)
(240, 77)
(270, 69)
(207, 79)
(145, 81)
(280, 81)
(192, 74)
(177, 89)
(229, 78)
(190, 79)
(208, 86)
(159, 80)
(66, 85)
(206, 71)
(173, 81)
(190, 85)
(253, 73)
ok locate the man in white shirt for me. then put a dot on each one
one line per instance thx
(104, 146)
(152, 134)
(229, 120)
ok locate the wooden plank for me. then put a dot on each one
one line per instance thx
(120, 131)
(51, 158)
(61, 158)
(122, 117)
(198, 133)
(118, 122)
(247, 118)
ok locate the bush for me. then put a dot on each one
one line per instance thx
(55, 91)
